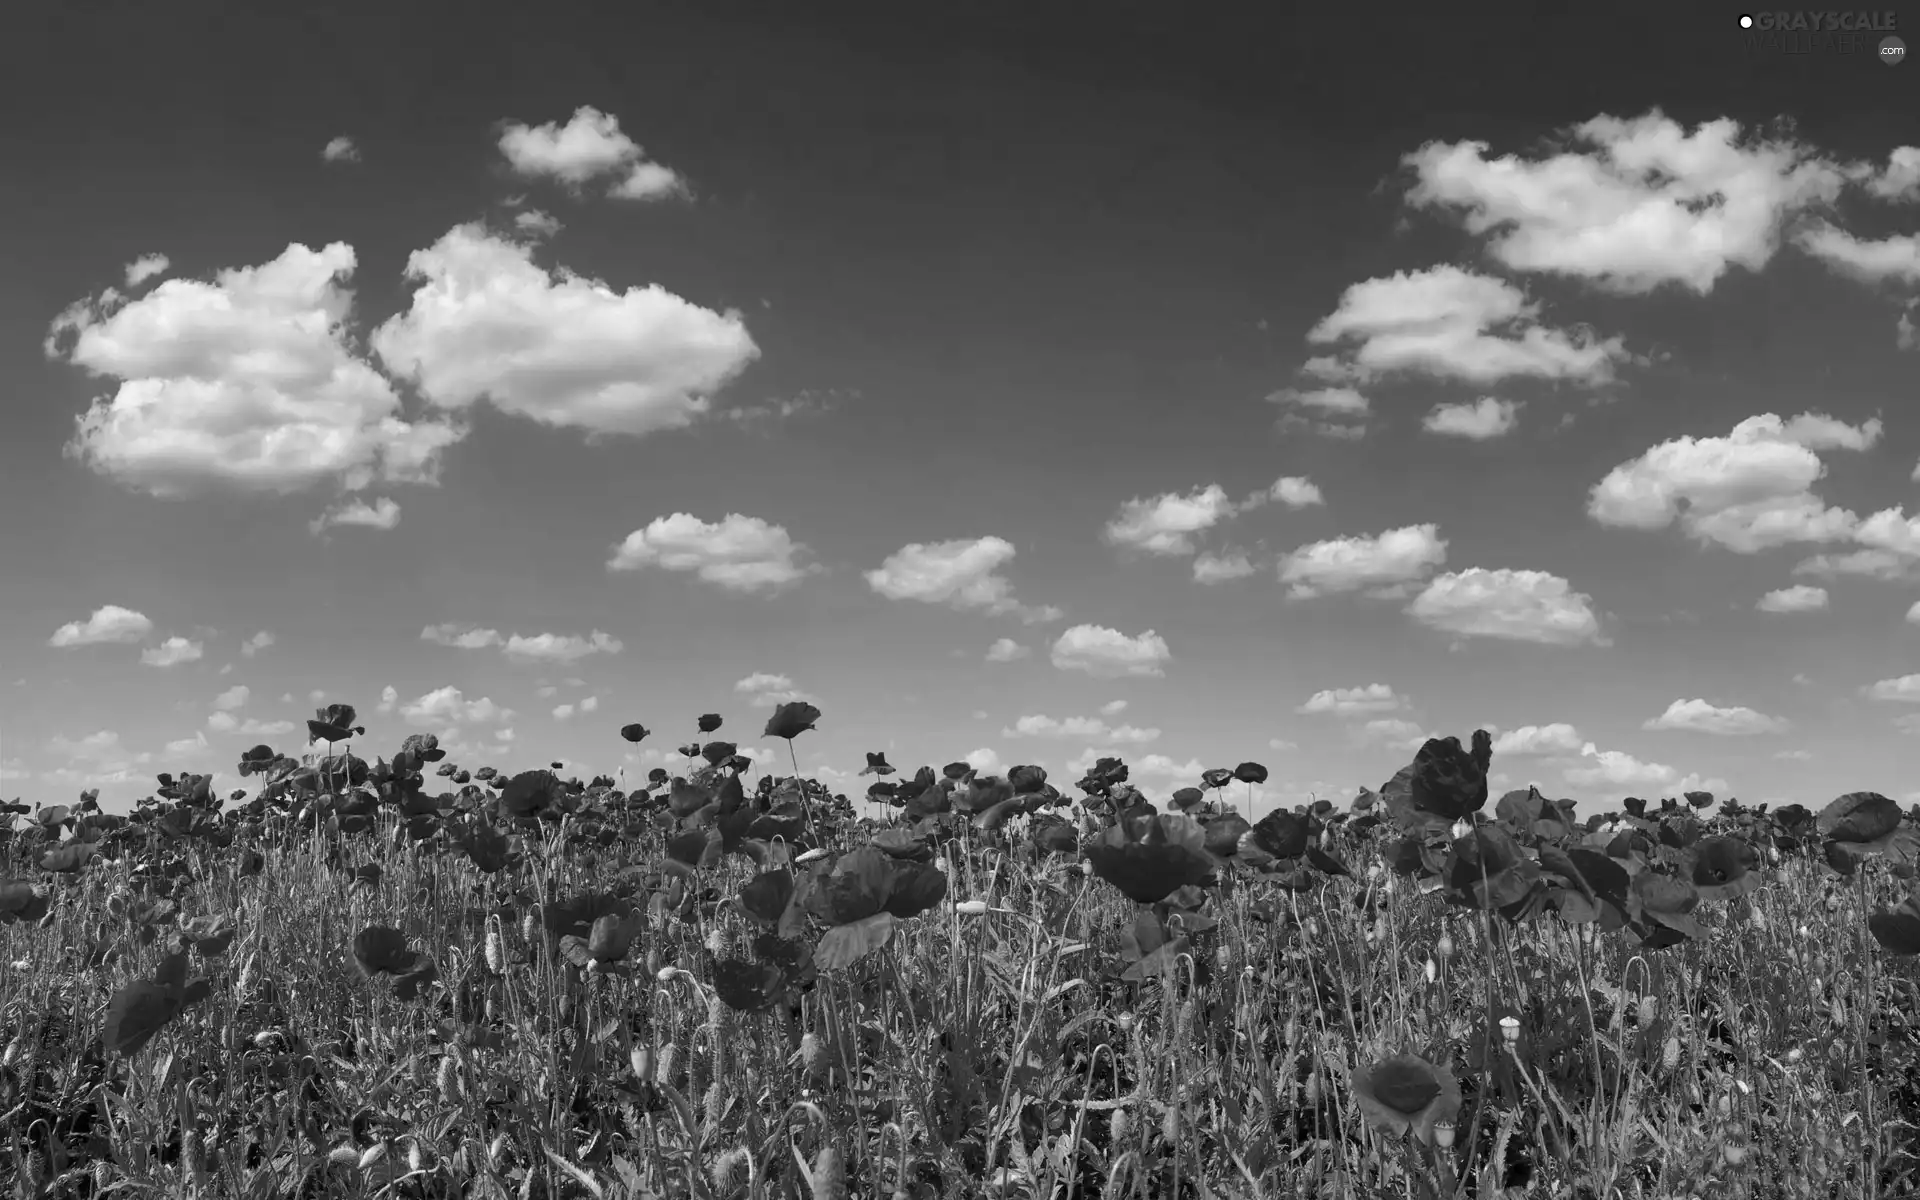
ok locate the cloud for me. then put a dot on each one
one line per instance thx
(460, 637)
(1389, 560)
(98, 745)
(172, 652)
(1449, 323)
(146, 267)
(1335, 412)
(1893, 259)
(448, 706)
(1393, 732)
(255, 644)
(1088, 728)
(588, 146)
(541, 647)
(535, 223)
(234, 697)
(738, 553)
(226, 722)
(1749, 491)
(340, 149)
(1699, 716)
(770, 691)
(1006, 650)
(389, 699)
(962, 574)
(1644, 202)
(109, 625)
(558, 348)
(1165, 524)
(1113, 708)
(1619, 772)
(1905, 689)
(1296, 491)
(1520, 606)
(1900, 178)
(1353, 701)
(1538, 741)
(1796, 599)
(247, 384)
(1218, 568)
(561, 648)
(1482, 420)
(381, 514)
(1109, 654)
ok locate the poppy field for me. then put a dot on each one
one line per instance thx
(400, 978)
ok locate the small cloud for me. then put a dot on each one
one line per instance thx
(389, 697)
(381, 514)
(764, 690)
(1796, 599)
(255, 644)
(1113, 708)
(340, 150)
(1209, 567)
(146, 267)
(109, 624)
(1353, 701)
(1108, 654)
(234, 697)
(1482, 420)
(536, 223)
(172, 652)
(1699, 716)
(1006, 650)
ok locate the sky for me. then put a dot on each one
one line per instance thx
(1018, 385)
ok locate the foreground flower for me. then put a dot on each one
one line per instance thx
(1406, 1093)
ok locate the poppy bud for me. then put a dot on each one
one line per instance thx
(373, 1155)
(1670, 1054)
(640, 1058)
(1443, 1134)
(497, 1150)
(1510, 1030)
(1433, 972)
(971, 908)
(1117, 1126)
(1444, 947)
(813, 1055)
(715, 1104)
(830, 1175)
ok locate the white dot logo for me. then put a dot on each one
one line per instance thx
(1893, 51)
(1746, 22)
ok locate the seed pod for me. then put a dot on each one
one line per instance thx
(1444, 947)
(830, 1175)
(374, 1155)
(496, 951)
(813, 1055)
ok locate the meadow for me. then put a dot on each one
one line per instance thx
(399, 978)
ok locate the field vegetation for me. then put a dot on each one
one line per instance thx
(395, 978)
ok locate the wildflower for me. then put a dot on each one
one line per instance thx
(1407, 1093)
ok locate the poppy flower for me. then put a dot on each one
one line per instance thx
(748, 985)
(1186, 798)
(1171, 855)
(381, 952)
(1028, 779)
(1218, 777)
(791, 720)
(877, 764)
(334, 723)
(1250, 772)
(634, 732)
(144, 1007)
(1897, 929)
(1723, 868)
(1279, 834)
(709, 722)
(1406, 1093)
